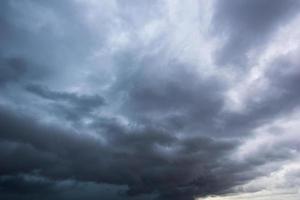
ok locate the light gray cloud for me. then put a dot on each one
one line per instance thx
(247, 25)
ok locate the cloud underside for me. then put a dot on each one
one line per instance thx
(149, 99)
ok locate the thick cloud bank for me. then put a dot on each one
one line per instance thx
(154, 100)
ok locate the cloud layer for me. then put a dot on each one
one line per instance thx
(149, 99)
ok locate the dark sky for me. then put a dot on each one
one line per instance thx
(149, 99)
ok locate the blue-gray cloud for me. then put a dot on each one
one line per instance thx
(96, 101)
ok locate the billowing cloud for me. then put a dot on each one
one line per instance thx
(149, 100)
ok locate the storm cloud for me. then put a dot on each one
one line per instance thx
(153, 100)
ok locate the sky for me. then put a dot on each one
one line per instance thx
(149, 99)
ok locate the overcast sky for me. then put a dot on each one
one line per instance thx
(149, 99)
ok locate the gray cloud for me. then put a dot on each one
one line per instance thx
(282, 96)
(35, 187)
(77, 105)
(174, 100)
(249, 24)
(146, 160)
(94, 102)
(12, 70)
(18, 70)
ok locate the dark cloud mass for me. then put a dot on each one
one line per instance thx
(113, 100)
